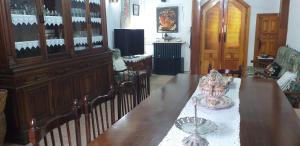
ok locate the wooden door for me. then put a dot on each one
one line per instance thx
(210, 35)
(235, 38)
(266, 41)
(224, 34)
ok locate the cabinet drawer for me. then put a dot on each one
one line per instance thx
(31, 77)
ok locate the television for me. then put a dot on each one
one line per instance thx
(129, 41)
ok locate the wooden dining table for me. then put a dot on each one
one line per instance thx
(267, 118)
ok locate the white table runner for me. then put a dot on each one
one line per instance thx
(228, 121)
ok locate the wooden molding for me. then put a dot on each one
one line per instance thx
(195, 37)
(284, 20)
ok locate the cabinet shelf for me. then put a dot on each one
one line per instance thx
(80, 41)
(35, 43)
(27, 44)
(78, 19)
(53, 20)
(55, 42)
(19, 19)
(96, 39)
(96, 20)
(91, 1)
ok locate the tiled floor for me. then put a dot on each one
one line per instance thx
(156, 82)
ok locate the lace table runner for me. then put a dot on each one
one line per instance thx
(228, 121)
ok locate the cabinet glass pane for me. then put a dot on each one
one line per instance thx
(54, 27)
(25, 28)
(95, 14)
(79, 25)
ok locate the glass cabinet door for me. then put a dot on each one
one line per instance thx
(79, 24)
(25, 27)
(96, 25)
(54, 27)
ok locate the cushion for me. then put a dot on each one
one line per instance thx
(273, 69)
(119, 64)
(286, 79)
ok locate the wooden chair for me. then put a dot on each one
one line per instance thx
(98, 115)
(123, 73)
(143, 87)
(36, 134)
(228, 72)
(127, 98)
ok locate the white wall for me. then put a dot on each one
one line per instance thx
(113, 12)
(147, 20)
(294, 25)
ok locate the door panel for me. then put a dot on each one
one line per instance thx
(63, 95)
(88, 84)
(224, 34)
(211, 26)
(234, 38)
(38, 98)
(266, 34)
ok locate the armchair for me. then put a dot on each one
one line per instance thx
(289, 60)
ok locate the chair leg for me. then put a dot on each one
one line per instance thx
(148, 84)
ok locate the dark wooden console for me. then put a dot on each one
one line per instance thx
(167, 58)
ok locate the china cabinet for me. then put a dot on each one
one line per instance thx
(51, 51)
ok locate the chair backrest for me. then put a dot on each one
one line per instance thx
(228, 72)
(285, 57)
(118, 62)
(99, 114)
(127, 98)
(143, 86)
(56, 125)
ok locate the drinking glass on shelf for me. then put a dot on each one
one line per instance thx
(74, 12)
(81, 12)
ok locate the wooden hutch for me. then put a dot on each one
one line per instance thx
(51, 51)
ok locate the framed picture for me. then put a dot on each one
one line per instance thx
(136, 10)
(167, 19)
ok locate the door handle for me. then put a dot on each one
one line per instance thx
(219, 37)
(225, 37)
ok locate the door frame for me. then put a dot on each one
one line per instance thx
(196, 30)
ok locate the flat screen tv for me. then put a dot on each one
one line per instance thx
(129, 41)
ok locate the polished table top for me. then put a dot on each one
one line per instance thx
(267, 118)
